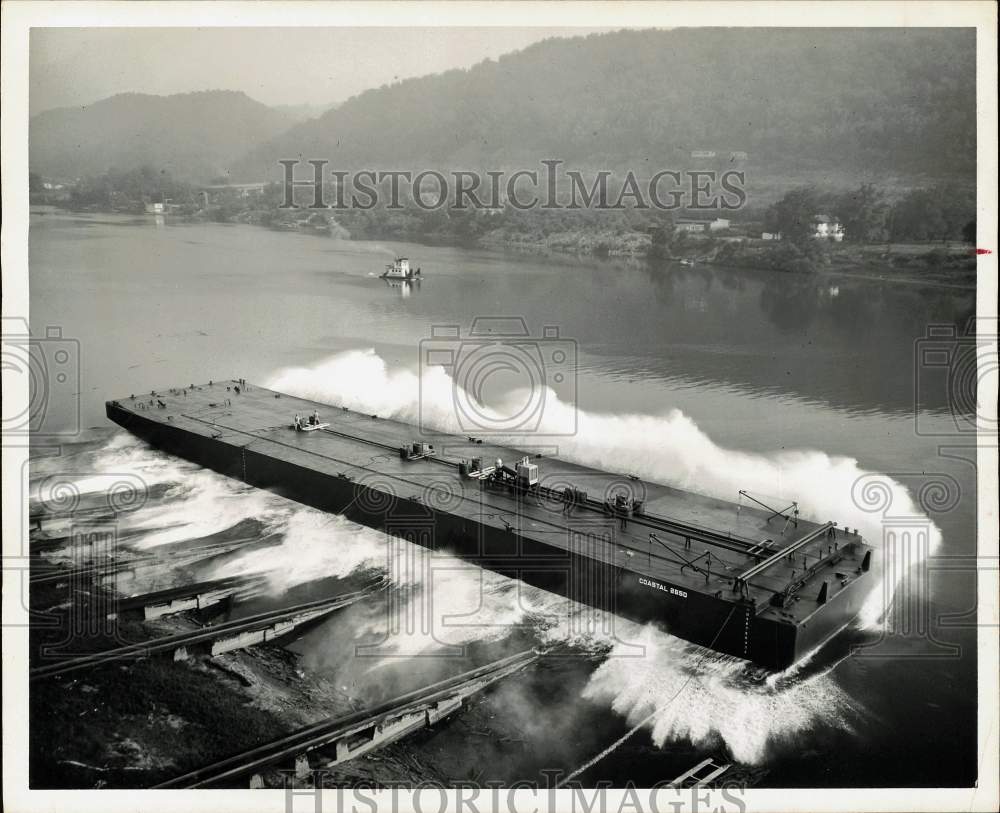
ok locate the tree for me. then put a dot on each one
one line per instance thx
(129, 189)
(932, 214)
(793, 215)
(969, 232)
(863, 213)
(915, 217)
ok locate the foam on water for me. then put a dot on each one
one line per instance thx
(313, 545)
(710, 700)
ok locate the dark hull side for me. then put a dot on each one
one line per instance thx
(713, 621)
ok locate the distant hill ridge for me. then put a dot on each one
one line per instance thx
(898, 100)
(820, 102)
(191, 135)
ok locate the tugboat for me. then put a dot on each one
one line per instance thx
(400, 269)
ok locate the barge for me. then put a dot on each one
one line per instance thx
(759, 584)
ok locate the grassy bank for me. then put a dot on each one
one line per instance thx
(951, 264)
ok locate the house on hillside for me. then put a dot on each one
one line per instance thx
(827, 228)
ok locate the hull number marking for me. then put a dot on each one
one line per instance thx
(657, 586)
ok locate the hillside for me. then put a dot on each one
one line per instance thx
(796, 100)
(193, 136)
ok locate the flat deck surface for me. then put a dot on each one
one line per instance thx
(365, 448)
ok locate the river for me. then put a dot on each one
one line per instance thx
(793, 387)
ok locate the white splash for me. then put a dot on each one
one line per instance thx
(205, 504)
(314, 545)
(709, 699)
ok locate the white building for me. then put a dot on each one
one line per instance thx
(700, 224)
(827, 228)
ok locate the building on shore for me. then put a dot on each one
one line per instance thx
(826, 227)
(696, 224)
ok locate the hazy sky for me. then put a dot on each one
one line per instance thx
(71, 66)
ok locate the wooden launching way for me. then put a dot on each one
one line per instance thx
(213, 640)
(43, 571)
(338, 739)
(183, 598)
(702, 774)
(39, 519)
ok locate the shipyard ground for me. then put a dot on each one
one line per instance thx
(139, 723)
(136, 724)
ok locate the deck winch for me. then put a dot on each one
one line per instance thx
(309, 424)
(417, 450)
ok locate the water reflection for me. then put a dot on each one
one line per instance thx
(404, 286)
(846, 342)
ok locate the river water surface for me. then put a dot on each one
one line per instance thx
(794, 388)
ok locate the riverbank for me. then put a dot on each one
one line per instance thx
(950, 264)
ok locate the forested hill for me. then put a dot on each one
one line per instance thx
(895, 101)
(193, 136)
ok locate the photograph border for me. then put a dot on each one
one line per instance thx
(17, 20)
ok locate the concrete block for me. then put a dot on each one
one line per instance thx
(169, 608)
(443, 709)
(244, 639)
